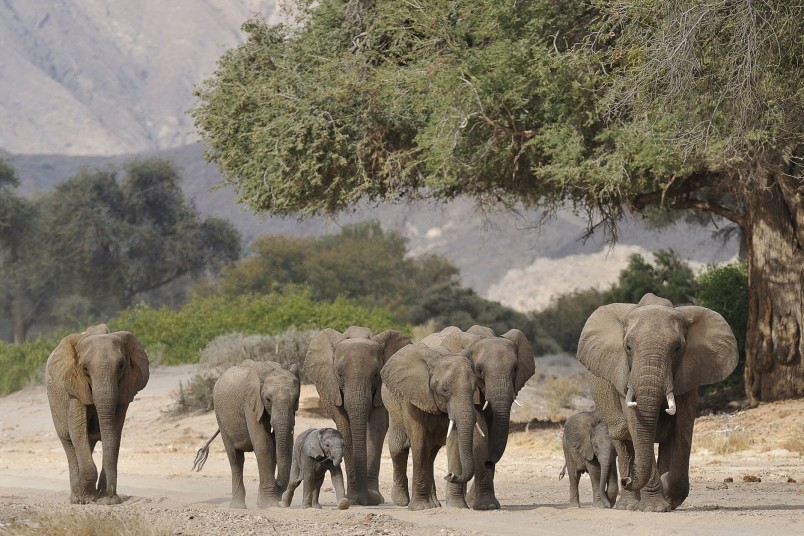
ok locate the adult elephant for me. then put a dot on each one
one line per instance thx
(255, 405)
(345, 368)
(647, 361)
(428, 391)
(91, 379)
(503, 365)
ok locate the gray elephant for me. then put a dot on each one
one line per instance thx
(588, 448)
(503, 365)
(428, 392)
(647, 361)
(316, 451)
(255, 405)
(91, 379)
(345, 368)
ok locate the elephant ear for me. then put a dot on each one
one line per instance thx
(600, 347)
(63, 368)
(313, 444)
(711, 353)
(407, 375)
(582, 441)
(252, 389)
(391, 342)
(138, 372)
(526, 365)
(319, 365)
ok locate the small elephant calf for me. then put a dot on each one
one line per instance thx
(588, 448)
(316, 451)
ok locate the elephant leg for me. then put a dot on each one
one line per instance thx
(236, 460)
(293, 483)
(338, 415)
(72, 464)
(422, 491)
(651, 497)
(456, 493)
(265, 452)
(377, 427)
(574, 479)
(675, 474)
(594, 475)
(481, 494)
(432, 500)
(85, 489)
(399, 449)
(625, 461)
(318, 481)
(336, 475)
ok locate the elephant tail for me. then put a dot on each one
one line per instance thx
(560, 475)
(203, 453)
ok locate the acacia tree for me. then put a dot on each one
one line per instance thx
(612, 108)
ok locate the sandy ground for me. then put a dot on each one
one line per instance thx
(762, 444)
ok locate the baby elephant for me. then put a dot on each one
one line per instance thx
(588, 448)
(315, 452)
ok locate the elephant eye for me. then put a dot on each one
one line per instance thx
(628, 347)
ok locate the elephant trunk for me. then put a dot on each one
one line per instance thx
(606, 459)
(357, 407)
(283, 433)
(500, 399)
(106, 407)
(465, 429)
(642, 422)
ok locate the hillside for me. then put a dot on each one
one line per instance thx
(89, 77)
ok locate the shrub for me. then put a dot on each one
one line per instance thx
(558, 392)
(23, 364)
(725, 289)
(564, 319)
(195, 396)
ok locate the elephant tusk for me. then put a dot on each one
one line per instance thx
(671, 404)
(486, 405)
(449, 428)
(629, 398)
(479, 430)
(272, 429)
(517, 403)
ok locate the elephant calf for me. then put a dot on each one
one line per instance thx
(315, 452)
(589, 448)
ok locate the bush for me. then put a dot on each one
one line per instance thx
(564, 319)
(725, 289)
(670, 277)
(23, 364)
(181, 335)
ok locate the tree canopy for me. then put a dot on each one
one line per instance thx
(94, 243)
(608, 106)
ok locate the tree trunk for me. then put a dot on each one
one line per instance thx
(775, 235)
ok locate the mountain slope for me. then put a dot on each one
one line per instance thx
(98, 77)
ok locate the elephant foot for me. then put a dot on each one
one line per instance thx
(486, 505)
(267, 503)
(456, 502)
(628, 501)
(375, 497)
(343, 504)
(400, 496)
(576, 504)
(423, 505)
(107, 500)
(238, 504)
(652, 502)
(80, 498)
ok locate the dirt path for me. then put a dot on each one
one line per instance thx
(159, 488)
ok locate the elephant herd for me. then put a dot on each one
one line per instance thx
(454, 388)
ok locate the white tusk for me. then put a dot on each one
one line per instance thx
(479, 430)
(517, 403)
(486, 405)
(671, 404)
(629, 398)
(449, 428)
(272, 429)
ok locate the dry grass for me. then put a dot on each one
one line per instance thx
(558, 392)
(795, 443)
(726, 442)
(83, 522)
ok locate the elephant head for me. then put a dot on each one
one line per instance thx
(503, 365)
(438, 382)
(271, 392)
(105, 370)
(651, 352)
(345, 368)
(326, 443)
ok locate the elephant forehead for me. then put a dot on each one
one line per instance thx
(454, 367)
(497, 348)
(357, 348)
(655, 317)
(101, 343)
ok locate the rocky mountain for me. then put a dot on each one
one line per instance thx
(94, 83)
(94, 77)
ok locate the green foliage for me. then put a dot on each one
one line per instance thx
(670, 277)
(725, 289)
(23, 364)
(181, 335)
(564, 319)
